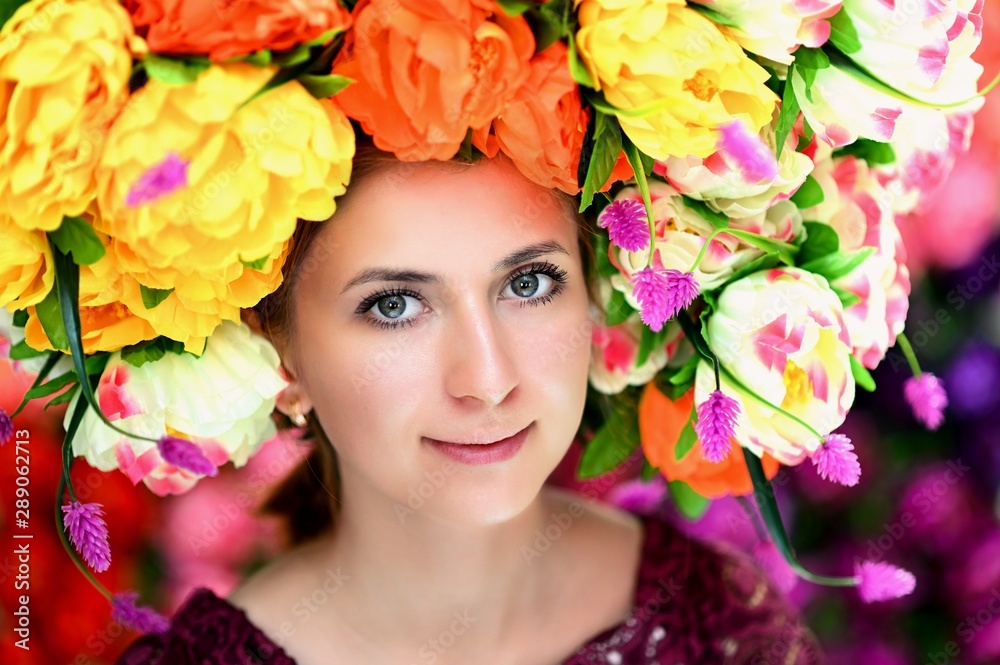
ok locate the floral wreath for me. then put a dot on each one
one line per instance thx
(750, 162)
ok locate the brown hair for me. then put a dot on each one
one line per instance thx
(308, 499)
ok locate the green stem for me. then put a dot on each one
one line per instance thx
(911, 357)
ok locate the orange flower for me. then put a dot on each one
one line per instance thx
(543, 127)
(223, 29)
(660, 423)
(426, 72)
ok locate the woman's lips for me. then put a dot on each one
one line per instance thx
(482, 453)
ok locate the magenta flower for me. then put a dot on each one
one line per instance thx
(185, 455)
(748, 152)
(882, 581)
(637, 496)
(88, 533)
(926, 396)
(627, 224)
(135, 617)
(158, 181)
(716, 424)
(662, 293)
(835, 460)
(6, 427)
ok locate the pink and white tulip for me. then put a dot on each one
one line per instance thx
(221, 401)
(774, 29)
(859, 209)
(920, 47)
(781, 334)
(726, 189)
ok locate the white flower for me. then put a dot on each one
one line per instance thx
(221, 401)
(920, 47)
(775, 28)
(781, 333)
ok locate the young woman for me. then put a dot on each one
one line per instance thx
(436, 334)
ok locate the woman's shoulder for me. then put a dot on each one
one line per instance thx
(700, 602)
(206, 629)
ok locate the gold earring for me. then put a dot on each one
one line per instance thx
(296, 415)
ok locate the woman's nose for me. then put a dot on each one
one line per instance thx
(480, 363)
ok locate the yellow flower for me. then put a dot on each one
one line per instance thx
(664, 56)
(26, 268)
(106, 323)
(253, 171)
(64, 71)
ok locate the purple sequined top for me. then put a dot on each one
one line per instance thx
(696, 604)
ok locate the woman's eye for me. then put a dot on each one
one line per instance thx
(393, 307)
(529, 285)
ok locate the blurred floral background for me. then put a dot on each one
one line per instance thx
(927, 501)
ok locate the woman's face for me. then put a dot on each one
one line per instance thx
(451, 305)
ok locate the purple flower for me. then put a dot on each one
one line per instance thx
(769, 560)
(636, 496)
(926, 396)
(662, 293)
(835, 460)
(88, 533)
(882, 581)
(627, 224)
(748, 152)
(158, 181)
(6, 427)
(142, 619)
(185, 455)
(716, 424)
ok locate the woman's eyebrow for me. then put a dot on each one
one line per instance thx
(513, 259)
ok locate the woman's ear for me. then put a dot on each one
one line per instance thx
(293, 401)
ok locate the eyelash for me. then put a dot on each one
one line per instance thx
(555, 273)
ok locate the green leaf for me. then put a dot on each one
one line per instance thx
(324, 86)
(847, 299)
(809, 194)
(808, 61)
(765, 262)
(784, 251)
(546, 22)
(687, 371)
(150, 350)
(52, 385)
(648, 471)
(716, 219)
(256, 265)
(515, 7)
(607, 147)
(577, 69)
(788, 114)
(47, 367)
(76, 235)
(649, 341)
(820, 241)
(861, 375)
(604, 266)
(7, 9)
(20, 318)
(836, 265)
(174, 70)
(843, 34)
(153, 297)
(50, 316)
(687, 438)
(293, 56)
(690, 504)
(613, 443)
(713, 15)
(21, 351)
(258, 58)
(63, 397)
(873, 152)
(767, 505)
(618, 309)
